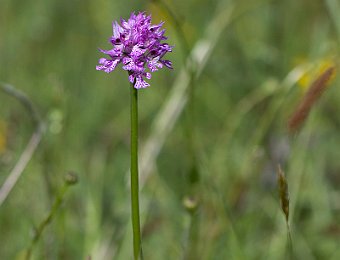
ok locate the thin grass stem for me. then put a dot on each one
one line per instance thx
(70, 179)
(289, 242)
(31, 146)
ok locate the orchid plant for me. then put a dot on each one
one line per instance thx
(137, 44)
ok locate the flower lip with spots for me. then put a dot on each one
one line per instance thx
(137, 44)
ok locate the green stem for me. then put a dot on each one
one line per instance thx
(290, 242)
(192, 253)
(70, 179)
(137, 248)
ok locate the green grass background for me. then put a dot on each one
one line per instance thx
(242, 100)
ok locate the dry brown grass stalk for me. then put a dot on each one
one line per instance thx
(313, 94)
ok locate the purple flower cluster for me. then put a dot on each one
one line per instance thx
(137, 45)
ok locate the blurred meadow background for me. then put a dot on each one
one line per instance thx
(212, 131)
